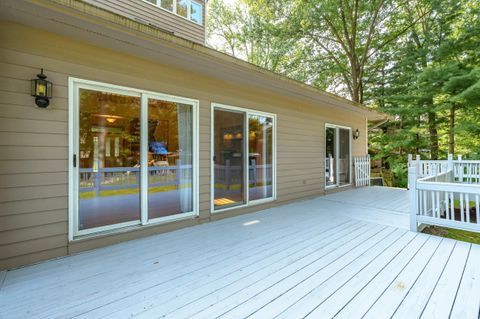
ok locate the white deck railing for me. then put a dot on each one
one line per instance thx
(445, 193)
(362, 170)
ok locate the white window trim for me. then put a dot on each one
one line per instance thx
(74, 84)
(336, 127)
(188, 17)
(246, 181)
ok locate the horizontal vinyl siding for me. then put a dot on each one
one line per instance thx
(34, 142)
(33, 170)
(147, 13)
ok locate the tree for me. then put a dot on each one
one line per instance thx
(255, 31)
(416, 60)
(348, 36)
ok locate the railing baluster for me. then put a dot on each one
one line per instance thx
(439, 210)
(452, 206)
(461, 207)
(467, 205)
(477, 209)
(433, 204)
(424, 201)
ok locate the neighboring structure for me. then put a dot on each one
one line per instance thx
(147, 132)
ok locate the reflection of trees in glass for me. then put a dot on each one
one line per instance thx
(182, 8)
(104, 114)
(167, 4)
(164, 118)
(260, 128)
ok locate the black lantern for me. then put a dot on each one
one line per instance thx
(356, 134)
(41, 90)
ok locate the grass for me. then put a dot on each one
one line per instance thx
(457, 234)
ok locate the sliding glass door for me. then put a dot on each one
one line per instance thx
(170, 158)
(134, 157)
(330, 159)
(229, 158)
(260, 157)
(243, 157)
(108, 158)
(337, 155)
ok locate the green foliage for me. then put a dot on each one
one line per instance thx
(418, 61)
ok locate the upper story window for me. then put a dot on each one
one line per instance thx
(188, 9)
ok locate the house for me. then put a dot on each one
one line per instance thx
(148, 130)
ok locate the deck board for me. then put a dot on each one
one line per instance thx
(344, 255)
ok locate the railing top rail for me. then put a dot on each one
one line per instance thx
(448, 187)
(466, 161)
(433, 178)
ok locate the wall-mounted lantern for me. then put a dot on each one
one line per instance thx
(41, 90)
(356, 134)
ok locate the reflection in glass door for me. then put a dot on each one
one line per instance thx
(337, 156)
(343, 156)
(229, 158)
(109, 159)
(243, 157)
(170, 158)
(134, 158)
(330, 151)
(260, 157)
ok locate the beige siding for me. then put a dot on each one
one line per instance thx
(34, 142)
(144, 12)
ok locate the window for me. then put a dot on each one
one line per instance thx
(182, 8)
(196, 14)
(243, 157)
(167, 4)
(137, 157)
(337, 155)
(188, 9)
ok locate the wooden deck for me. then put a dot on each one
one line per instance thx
(314, 259)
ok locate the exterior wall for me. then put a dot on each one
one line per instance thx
(144, 12)
(34, 142)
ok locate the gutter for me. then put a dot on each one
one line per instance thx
(379, 124)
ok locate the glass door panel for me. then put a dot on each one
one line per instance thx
(170, 158)
(229, 158)
(260, 157)
(343, 156)
(109, 159)
(330, 151)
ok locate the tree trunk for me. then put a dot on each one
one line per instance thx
(432, 129)
(451, 141)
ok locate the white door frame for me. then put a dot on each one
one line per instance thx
(246, 181)
(74, 85)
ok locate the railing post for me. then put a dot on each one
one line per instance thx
(410, 163)
(369, 170)
(98, 182)
(450, 162)
(254, 172)
(177, 174)
(460, 169)
(420, 171)
(450, 169)
(412, 182)
(227, 174)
